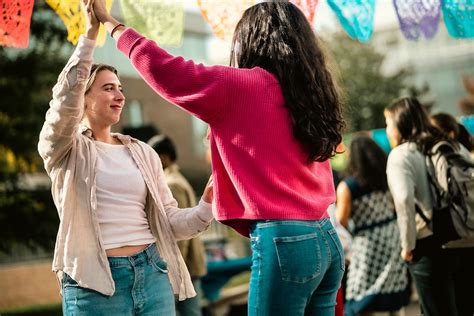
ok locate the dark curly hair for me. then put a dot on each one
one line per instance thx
(413, 124)
(277, 37)
(367, 163)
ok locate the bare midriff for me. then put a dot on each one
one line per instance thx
(125, 250)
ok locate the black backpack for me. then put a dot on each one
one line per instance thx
(451, 179)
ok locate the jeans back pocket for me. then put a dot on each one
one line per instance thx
(299, 257)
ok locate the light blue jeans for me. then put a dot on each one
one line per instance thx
(142, 287)
(297, 268)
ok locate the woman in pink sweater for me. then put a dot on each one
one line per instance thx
(275, 120)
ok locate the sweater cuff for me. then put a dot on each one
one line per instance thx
(127, 40)
(205, 211)
(85, 48)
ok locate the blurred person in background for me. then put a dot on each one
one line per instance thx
(377, 279)
(192, 249)
(412, 136)
(454, 130)
(460, 252)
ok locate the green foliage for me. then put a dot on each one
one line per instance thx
(366, 91)
(38, 310)
(27, 75)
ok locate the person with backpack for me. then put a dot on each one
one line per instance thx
(412, 138)
(461, 251)
(454, 130)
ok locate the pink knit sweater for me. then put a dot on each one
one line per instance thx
(259, 168)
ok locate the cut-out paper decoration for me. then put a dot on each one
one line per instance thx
(308, 7)
(356, 17)
(418, 17)
(72, 16)
(459, 17)
(159, 20)
(15, 18)
(224, 15)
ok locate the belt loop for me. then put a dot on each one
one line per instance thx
(149, 253)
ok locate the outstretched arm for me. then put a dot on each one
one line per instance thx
(189, 222)
(201, 90)
(66, 108)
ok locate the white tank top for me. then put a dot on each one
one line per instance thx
(121, 195)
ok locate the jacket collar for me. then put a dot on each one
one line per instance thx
(125, 139)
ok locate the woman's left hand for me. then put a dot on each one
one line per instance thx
(208, 194)
(92, 23)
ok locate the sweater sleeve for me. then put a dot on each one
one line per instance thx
(196, 88)
(400, 179)
(66, 107)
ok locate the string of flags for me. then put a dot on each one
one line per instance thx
(74, 20)
(159, 20)
(15, 17)
(163, 20)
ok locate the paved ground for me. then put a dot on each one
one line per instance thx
(412, 309)
(240, 310)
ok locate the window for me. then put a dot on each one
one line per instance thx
(135, 117)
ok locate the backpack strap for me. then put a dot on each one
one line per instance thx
(422, 215)
(443, 147)
(435, 187)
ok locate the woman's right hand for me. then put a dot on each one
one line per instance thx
(208, 194)
(92, 23)
(100, 10)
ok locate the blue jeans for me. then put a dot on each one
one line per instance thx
(297, 268)
(429, 277)
(142, 287)
(443, 278)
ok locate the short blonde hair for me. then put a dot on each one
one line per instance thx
(96, 68)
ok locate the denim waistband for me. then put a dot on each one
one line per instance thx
(277, 222)
(142, 256)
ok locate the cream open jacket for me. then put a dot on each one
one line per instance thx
(70, 157)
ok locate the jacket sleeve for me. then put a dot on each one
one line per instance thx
(186, 223)
(66, 107)
(400, 177)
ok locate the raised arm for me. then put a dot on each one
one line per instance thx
(66, 107)
(198, 89)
